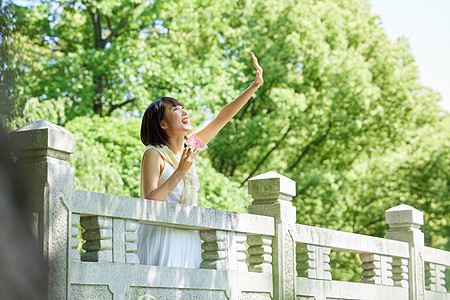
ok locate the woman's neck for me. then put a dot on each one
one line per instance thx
(176, 145)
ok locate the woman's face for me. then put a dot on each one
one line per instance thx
(176, 120)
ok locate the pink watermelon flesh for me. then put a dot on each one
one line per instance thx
(194, 142)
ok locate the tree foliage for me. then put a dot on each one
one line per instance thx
(7, 67)
(98, 57)
(342, 110)
(342, 107)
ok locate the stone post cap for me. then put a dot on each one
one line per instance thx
(42, 135)
(270, 185)
(404, 216)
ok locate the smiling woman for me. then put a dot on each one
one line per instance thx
(168, 174)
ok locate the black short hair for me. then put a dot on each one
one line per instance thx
(151, 131)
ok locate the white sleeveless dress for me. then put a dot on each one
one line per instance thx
(167, 246)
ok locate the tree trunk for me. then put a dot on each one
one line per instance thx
(99, 44)
(98, 103)
(267, 155)
(308, 147)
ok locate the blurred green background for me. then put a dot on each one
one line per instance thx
(342, 111)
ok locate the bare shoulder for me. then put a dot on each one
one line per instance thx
(152, 158)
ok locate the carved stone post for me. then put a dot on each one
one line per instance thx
(42, 149)
(404, 225)
(272, 194)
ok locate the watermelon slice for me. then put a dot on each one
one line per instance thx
(194, 142)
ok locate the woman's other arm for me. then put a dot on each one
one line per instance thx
(152, 165)
(207, 133)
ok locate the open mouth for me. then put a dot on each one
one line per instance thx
(185, 121)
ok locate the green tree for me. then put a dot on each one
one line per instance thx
(342, 110)
(83, 58)
(334, 85)
(8, 109)
(338, 95)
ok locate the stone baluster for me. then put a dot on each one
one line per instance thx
(131, 227)
(260, 253)
(435, 277)
(272, 194)
(377, 269)
(43, 150)
(371, 268)
(98, 236)
(386, 270)
(400, 272)
(224, 250)
(313, 261)
(236, 251)
(215, 249)
(73, 240)
(404, 225)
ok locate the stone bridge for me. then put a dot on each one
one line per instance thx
(260, 255)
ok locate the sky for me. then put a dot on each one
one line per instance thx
(426, 25)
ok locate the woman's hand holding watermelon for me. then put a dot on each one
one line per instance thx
(259, 71)
(186, 160)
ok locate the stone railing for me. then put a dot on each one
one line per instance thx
(110, 223)
(260, 255)
(384, 265)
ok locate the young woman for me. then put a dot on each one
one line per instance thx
(168, 174)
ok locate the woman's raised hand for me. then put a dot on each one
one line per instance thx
(259, 71)
(187, 159)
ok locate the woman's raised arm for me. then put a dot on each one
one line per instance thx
(207, 133)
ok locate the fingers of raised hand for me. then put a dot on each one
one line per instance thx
(255, 62)
(259, 79)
